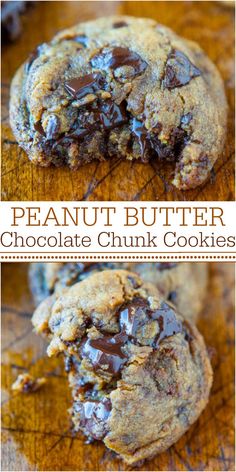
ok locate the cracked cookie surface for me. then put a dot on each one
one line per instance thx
(183, 284)
(139, 373)
(121, 87)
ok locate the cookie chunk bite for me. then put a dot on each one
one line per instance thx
(183, 284)
(121, 87)
(139, 372)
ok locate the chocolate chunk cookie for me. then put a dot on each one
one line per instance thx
(120, 87)
(140, 373)
(183, 284)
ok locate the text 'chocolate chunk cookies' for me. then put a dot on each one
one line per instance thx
(121, 87)
(139, 372)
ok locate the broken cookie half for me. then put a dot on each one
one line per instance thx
(140, 374)
(121, 87)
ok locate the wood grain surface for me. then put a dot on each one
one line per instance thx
(209, 23)
(36, 427)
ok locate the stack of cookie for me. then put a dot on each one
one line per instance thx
(137, 366)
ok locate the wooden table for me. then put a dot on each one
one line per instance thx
(36, 429)
(209, 23)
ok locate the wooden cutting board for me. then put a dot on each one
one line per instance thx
(211, 24)
(36, 428)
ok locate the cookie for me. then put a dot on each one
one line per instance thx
(121, 87)
(140, 373)
(183, 284)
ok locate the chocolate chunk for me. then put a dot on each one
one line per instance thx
(93, 416)
(172, 151)
(111, 115)
(168, 323)
(179, 70)
(133, 315)
(81, 39)
(144, 137)
(119, 24)
(163, 151)
(84, 387)
(106, 353)
(38, 127)
(53, 127)
(77, 134)
(119, 57)
(104, 115)
(81, 86)
(149, 141)
(138, 313)
(141, 133)
(133, 281)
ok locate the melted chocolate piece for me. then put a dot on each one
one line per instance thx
(93, 416)
(139, 130)
(119, 24)
(38, 127)
(102, 116)
(106, 353)
(147, 142)
(179, 70)
(132, 316)
(119, 57)
(111, 115)
(84, 387)
(79, 87)
(172, 151)
(138, 313)
(53, 127)
(168, 323)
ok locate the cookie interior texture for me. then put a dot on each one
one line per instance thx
(140, 373)
(121, 87)
(183, 284)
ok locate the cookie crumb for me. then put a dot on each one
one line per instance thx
(26, 383)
